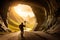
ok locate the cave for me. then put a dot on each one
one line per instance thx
(46, 14)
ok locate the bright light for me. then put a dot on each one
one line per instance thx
(28, 29)
(20, 13)
(24, 10)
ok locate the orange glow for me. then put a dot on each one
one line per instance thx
(20, 13)
(24, 11)
(28, 29)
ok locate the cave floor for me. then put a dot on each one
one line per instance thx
(33, 35)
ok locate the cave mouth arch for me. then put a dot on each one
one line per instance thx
(15, 19)
(39, 11)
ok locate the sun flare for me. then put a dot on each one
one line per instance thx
(24, 11)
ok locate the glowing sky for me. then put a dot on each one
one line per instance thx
(24, 11)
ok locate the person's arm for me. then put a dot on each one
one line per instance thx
(24, 25)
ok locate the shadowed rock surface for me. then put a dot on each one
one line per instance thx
(35, 35)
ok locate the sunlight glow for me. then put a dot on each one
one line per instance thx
(18, 14)
(28, 29)
(24, 10)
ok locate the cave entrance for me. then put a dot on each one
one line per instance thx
(19, 13)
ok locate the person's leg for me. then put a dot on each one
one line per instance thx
(21, 34)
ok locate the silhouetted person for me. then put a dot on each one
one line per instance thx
(21, 26)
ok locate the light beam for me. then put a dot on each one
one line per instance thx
(24, 11)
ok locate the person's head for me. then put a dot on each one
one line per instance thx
(22, 23)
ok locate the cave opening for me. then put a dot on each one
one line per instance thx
(17, 14)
